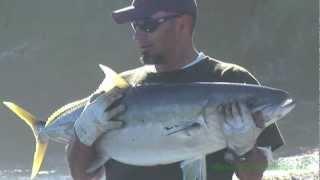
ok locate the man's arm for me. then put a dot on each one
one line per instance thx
(79, 158)
(270, 136)
(253, 166)
(241, 129)
(255, 162)
(93, 121)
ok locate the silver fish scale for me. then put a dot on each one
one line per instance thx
(61, 129)
(153, 104)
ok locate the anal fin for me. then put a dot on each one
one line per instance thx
(194, 169)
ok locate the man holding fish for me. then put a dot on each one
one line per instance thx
(163, 30)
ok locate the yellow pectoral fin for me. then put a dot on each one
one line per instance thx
(38, 157)
(112, 79)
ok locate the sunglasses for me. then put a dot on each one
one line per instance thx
(149, 25)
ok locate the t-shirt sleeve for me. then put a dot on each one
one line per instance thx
(238, 74)
(271, 136)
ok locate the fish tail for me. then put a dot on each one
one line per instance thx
(32, 122)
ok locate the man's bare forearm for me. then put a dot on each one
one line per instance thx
(79, 157)
(253, 166)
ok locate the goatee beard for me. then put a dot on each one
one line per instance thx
(148, 59)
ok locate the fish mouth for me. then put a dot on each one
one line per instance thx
(287, 105)
(283, 109)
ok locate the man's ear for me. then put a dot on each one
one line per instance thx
(185, 23)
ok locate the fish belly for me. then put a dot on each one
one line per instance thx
(163, 126)
(151, 144)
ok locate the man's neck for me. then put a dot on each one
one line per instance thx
(177, 60)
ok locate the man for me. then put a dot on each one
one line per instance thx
(163, 30)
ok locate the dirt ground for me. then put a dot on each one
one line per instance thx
(300, 167)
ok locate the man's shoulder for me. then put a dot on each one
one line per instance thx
(136, 75)
(224, 67)
(231, 72)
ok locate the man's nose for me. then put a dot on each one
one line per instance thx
(139, 35)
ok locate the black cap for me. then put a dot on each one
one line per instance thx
(140, 9)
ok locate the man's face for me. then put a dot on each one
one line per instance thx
(156, 37)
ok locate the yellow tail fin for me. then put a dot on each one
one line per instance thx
(41, 147)
(38, 157)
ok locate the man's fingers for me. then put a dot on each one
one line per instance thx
(227, 129)
(258, 119)
(114, 125)
(237, 115)
(94, 96)
(233, 116)
(114, 111)
(235, 109)
(228, 113)
(228, 109)
(107, 99)
(246, 113)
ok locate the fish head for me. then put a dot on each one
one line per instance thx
(273, 106)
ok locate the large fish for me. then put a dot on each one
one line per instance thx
(164, 123)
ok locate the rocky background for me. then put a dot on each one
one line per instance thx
(50, 51)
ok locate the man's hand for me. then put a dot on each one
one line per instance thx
(239, 127)
(97, 114)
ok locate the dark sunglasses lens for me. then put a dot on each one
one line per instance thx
(146, 26)
(150, 26)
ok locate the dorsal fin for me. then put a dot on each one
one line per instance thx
(112, 79)
(66, 108)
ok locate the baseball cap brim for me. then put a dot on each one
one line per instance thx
(127, 14)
